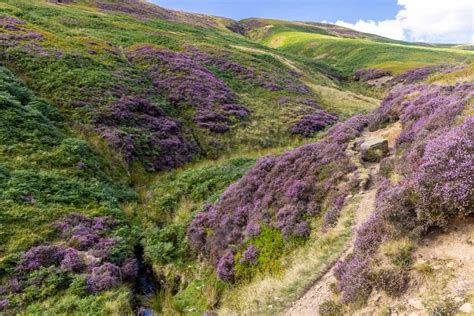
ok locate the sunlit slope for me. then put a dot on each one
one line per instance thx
(349, 50)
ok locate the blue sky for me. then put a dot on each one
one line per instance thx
(436, 21)
(307, 10)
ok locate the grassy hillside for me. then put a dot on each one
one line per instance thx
(83, 56)
(349, 50)
(183, 163)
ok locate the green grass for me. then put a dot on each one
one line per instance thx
(349, 54)
(41, 183)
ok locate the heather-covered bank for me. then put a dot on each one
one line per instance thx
(275, 204)
(427, 184)
(67, 238)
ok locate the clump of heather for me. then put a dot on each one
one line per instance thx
(419, 74)
(370, 235)
(282, 192)
(4, 304)
(142, 131)
(370, 74)
(250, 254)
(394, 204)
(272, 82)
(72, 261)
(225, 267)
(353, 275)
(104, 277)
(185, 82)
(345, 131)
(41, 256)
(331, 216)
(308, 125)
(445, 180)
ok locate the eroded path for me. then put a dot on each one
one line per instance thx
(321, 291)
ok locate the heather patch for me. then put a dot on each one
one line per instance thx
(53, 175)
(282, 192)
(186, 82)
(270, 81)
(142, 131)
(420, 74)
(435, 158)
(370, 74)
(309, 124)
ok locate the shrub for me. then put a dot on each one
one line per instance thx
(330, 308)
(103, 277)
(308, 125)
(251, 254)
(345, 131)
(72, 261)
(395, 205)
(370, 235)
(331, 216)
(446, 176)
(165, 245)
(41, 256)
(393, 281)
(225, 267)
(353, 275)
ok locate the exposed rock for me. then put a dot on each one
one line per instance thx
(466, 308)
(416, 303)
(374, 149)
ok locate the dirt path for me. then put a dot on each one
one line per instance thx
(309, 303)
(321, 291)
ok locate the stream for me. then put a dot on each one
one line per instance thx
(146, 284)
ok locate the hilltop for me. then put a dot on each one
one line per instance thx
(158, 160)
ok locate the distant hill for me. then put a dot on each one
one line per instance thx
(349, 50)
(154, 161)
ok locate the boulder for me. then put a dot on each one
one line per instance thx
(466, 308)
(374, 149)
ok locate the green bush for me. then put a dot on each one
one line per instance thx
(165, 245)
(271, 246)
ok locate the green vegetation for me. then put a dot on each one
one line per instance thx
(349, 50)
(101, 138)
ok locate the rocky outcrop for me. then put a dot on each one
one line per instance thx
(374, 149)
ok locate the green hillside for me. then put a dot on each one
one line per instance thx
(349, 50)
(157, 161)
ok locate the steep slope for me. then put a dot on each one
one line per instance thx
(349, 50)
(202, 98)
(155, 160)
(64, 237)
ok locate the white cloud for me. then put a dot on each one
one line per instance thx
(436, 21)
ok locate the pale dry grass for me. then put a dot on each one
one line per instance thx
(463, 75)
(343, 101)
(270, 294)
